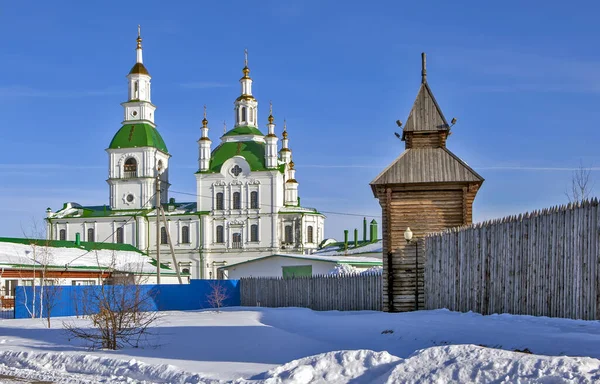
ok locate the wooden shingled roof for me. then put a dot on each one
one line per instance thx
(430, 161)
(427, 165)
(425, 115)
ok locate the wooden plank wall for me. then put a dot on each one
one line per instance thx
(425, 209)
(544, 264)
(321, 293)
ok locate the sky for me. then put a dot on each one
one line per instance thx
(522, 79)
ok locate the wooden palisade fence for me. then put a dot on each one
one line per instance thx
(321, 293)
(544, 264)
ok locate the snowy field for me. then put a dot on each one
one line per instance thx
(293, 345)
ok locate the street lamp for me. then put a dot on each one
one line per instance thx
(408, 235)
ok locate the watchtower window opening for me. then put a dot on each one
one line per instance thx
(219, 202)
(90, 235)
(130, 168)
(120, 235)
(254, 200)
(309, 234)
(237, 203)
(220, 234)
(163, 236)
(237, 241)
(185, 234)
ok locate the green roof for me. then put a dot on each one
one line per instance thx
(138, 135)
(88, 246)
(252, 151)
(244, 130)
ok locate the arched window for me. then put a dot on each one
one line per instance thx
(254, 200)
(243, 114)
(237, 204)
(62, 234)
(289, 234)
(136, 90)
(90, 235)
(163, 236)
(254, 232)
(120, 235)
(219, 202)
(220, 234)
(130, 168)
(237, 240)
(250, 114)
(309, 234)
(160, 166)
(185, 234)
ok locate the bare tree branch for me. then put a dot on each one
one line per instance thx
(581, 186)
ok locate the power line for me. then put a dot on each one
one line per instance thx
(328, 212)
(115, 231)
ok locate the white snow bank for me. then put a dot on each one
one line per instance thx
(333, 367)
(376, 247)
(79, 369)
(473, 364)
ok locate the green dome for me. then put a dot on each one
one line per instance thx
(253, 152)
(244, 130)
(138, 135)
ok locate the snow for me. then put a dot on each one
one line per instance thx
(337, 259)
(346, 269)
(26, 254)
(295, 345)
(376, 247)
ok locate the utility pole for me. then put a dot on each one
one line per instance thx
(158, 226)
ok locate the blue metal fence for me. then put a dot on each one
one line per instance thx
(80, 300)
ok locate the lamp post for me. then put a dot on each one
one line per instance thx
(408, 235)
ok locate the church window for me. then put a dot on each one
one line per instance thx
(237, 203)
(309, 234)
(254, 200)
(130, 168)
(243, 114)
(120, 235)
(219, 202)
(163, 236)
(289, 234)
(136, 90)
(90, 235)
(160, 166)
(185, 234)
(237, 240)
(250, 114)
(236, 170)
(254, 232)
(220, 234)
(62, 234)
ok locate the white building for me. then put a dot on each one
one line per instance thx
(247, 203)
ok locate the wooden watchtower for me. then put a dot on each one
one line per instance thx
(427, 188)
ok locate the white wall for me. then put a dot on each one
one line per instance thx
(272, 267)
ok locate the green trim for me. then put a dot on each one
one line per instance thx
(244, 130)
(135, 135)
(85, 245)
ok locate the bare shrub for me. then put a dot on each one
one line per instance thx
(581, 184)
(217, 296)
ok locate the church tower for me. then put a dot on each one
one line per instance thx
(137, 152)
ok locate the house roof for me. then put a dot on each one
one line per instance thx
(54, 254)
(351, 260)
(425, 115)
(74, 210)
(337, 249)
(427, 165)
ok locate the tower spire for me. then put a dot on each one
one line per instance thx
(204, 121)
(423, 67)
(204, 145)
(139, 46)
(246, 70)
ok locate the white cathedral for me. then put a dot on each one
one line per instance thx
(247, 203)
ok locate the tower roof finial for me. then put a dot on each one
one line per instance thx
(423, 67)
(204, 121)
(271, 118)
(246, 70)
(285, 129)
(139, 38)
(224, 127)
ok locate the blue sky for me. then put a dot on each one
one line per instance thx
(523, 79)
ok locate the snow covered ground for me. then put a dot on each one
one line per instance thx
(294, 345)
